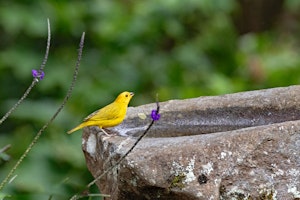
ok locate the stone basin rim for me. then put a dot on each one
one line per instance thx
(259, 128)
(213, 114)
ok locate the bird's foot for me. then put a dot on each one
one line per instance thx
(105, 132)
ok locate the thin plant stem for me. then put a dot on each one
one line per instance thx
(5, 148)
(34, 81)
(77, 196)
(47, 48)
(34, 141)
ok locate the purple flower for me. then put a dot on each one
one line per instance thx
(155, 115)
(38, 74)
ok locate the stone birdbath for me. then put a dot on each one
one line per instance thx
(236, 146)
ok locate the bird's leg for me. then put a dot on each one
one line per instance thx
(104, 132)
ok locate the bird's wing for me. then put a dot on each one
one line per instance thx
(108, 112)
(91, 115)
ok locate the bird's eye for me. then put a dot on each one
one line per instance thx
(126, 95)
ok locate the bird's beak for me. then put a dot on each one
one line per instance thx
(131, 94)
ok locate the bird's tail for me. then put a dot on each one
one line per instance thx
(80, 126)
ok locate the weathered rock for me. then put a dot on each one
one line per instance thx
(237, 146)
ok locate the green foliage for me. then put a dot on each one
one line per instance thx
(178, 49)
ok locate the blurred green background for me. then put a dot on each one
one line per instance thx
(178, 49)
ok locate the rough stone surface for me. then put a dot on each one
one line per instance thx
(237, 146)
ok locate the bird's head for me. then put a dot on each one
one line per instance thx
(124, 97)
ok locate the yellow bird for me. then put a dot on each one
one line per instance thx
(108, 116)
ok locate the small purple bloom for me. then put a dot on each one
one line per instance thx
(155, 115)
(38, 74)
(42, 75)
(34, 73)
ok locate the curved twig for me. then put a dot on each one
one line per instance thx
(3, 183)
(34, 81)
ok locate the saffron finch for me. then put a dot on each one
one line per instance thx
(108, 116)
